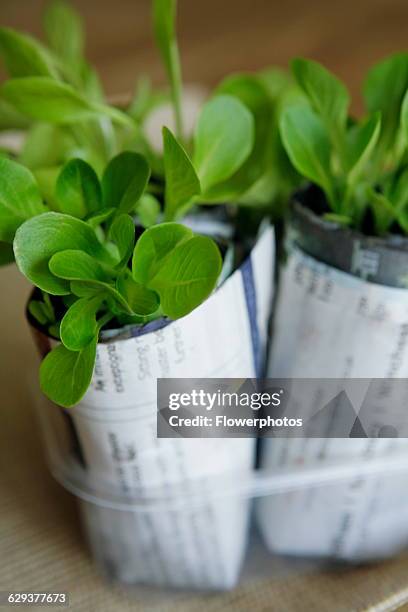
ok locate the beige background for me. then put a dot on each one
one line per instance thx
(219, 36)
(40, 542)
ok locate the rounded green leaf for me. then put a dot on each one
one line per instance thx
(88, 278)
(19, 192)
(125, 180)
(307, 143)
(187, 276)
(41, 237)
(148, 210)
(142, 301)
(122, 233)
(20, 198)
(78, 190)
(77, 265)
(384, 90)
(66, 375)
(224, 138)
(153, 246)
(181, 267)
(79, 326)
(327, 94)
(251, 90)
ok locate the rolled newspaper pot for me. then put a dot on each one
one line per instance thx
(342, 312)
(106, 447)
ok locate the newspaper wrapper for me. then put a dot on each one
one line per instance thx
(106, 447)
(347, 321)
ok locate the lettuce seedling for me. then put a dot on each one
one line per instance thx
(55, 96)
(248, 164)
(236, 155)
(361, 166)
(88, 266)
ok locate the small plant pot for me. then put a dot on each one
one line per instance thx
(106, 451)
(342, 312)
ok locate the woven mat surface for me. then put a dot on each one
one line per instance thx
(41, 546)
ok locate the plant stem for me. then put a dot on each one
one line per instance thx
(176, 89)
(105, 319)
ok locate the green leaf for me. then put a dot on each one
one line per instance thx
(145, 99)
(102, 215)
(44, 99)
(182, 268)
(124, 181)
(224, 138)
(46, 145)
(153, 246)
(88, 278)
(148, 210)
(24, 56)
(78, 190)
(361, 140)
(66, 375)
(384, 90)
(37, 310)
(383, 211)
(91, 83)
(9, 224)
(6, 253)
(307, 144)
(18, 189)
(10, 118)
(73, 264)
(122, 233)
(398, 190)
(276, 80)
(182, 182)
(340, 219)
(64, 31)
(41, 237)
(164, 18)
(91, 288)
(251, 91)
(142, 301)
(187, 276)
(79, 326)
(20, 198)
(327, 95)
(46, 179)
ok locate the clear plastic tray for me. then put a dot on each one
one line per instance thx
(211, 532)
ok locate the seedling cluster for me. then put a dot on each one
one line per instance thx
(361, 166)
(91, 212)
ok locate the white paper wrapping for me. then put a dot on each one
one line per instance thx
(115, 427)
(329, 324)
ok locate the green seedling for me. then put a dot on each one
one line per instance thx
(235, 156)
(361, 166)
(88, 266)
